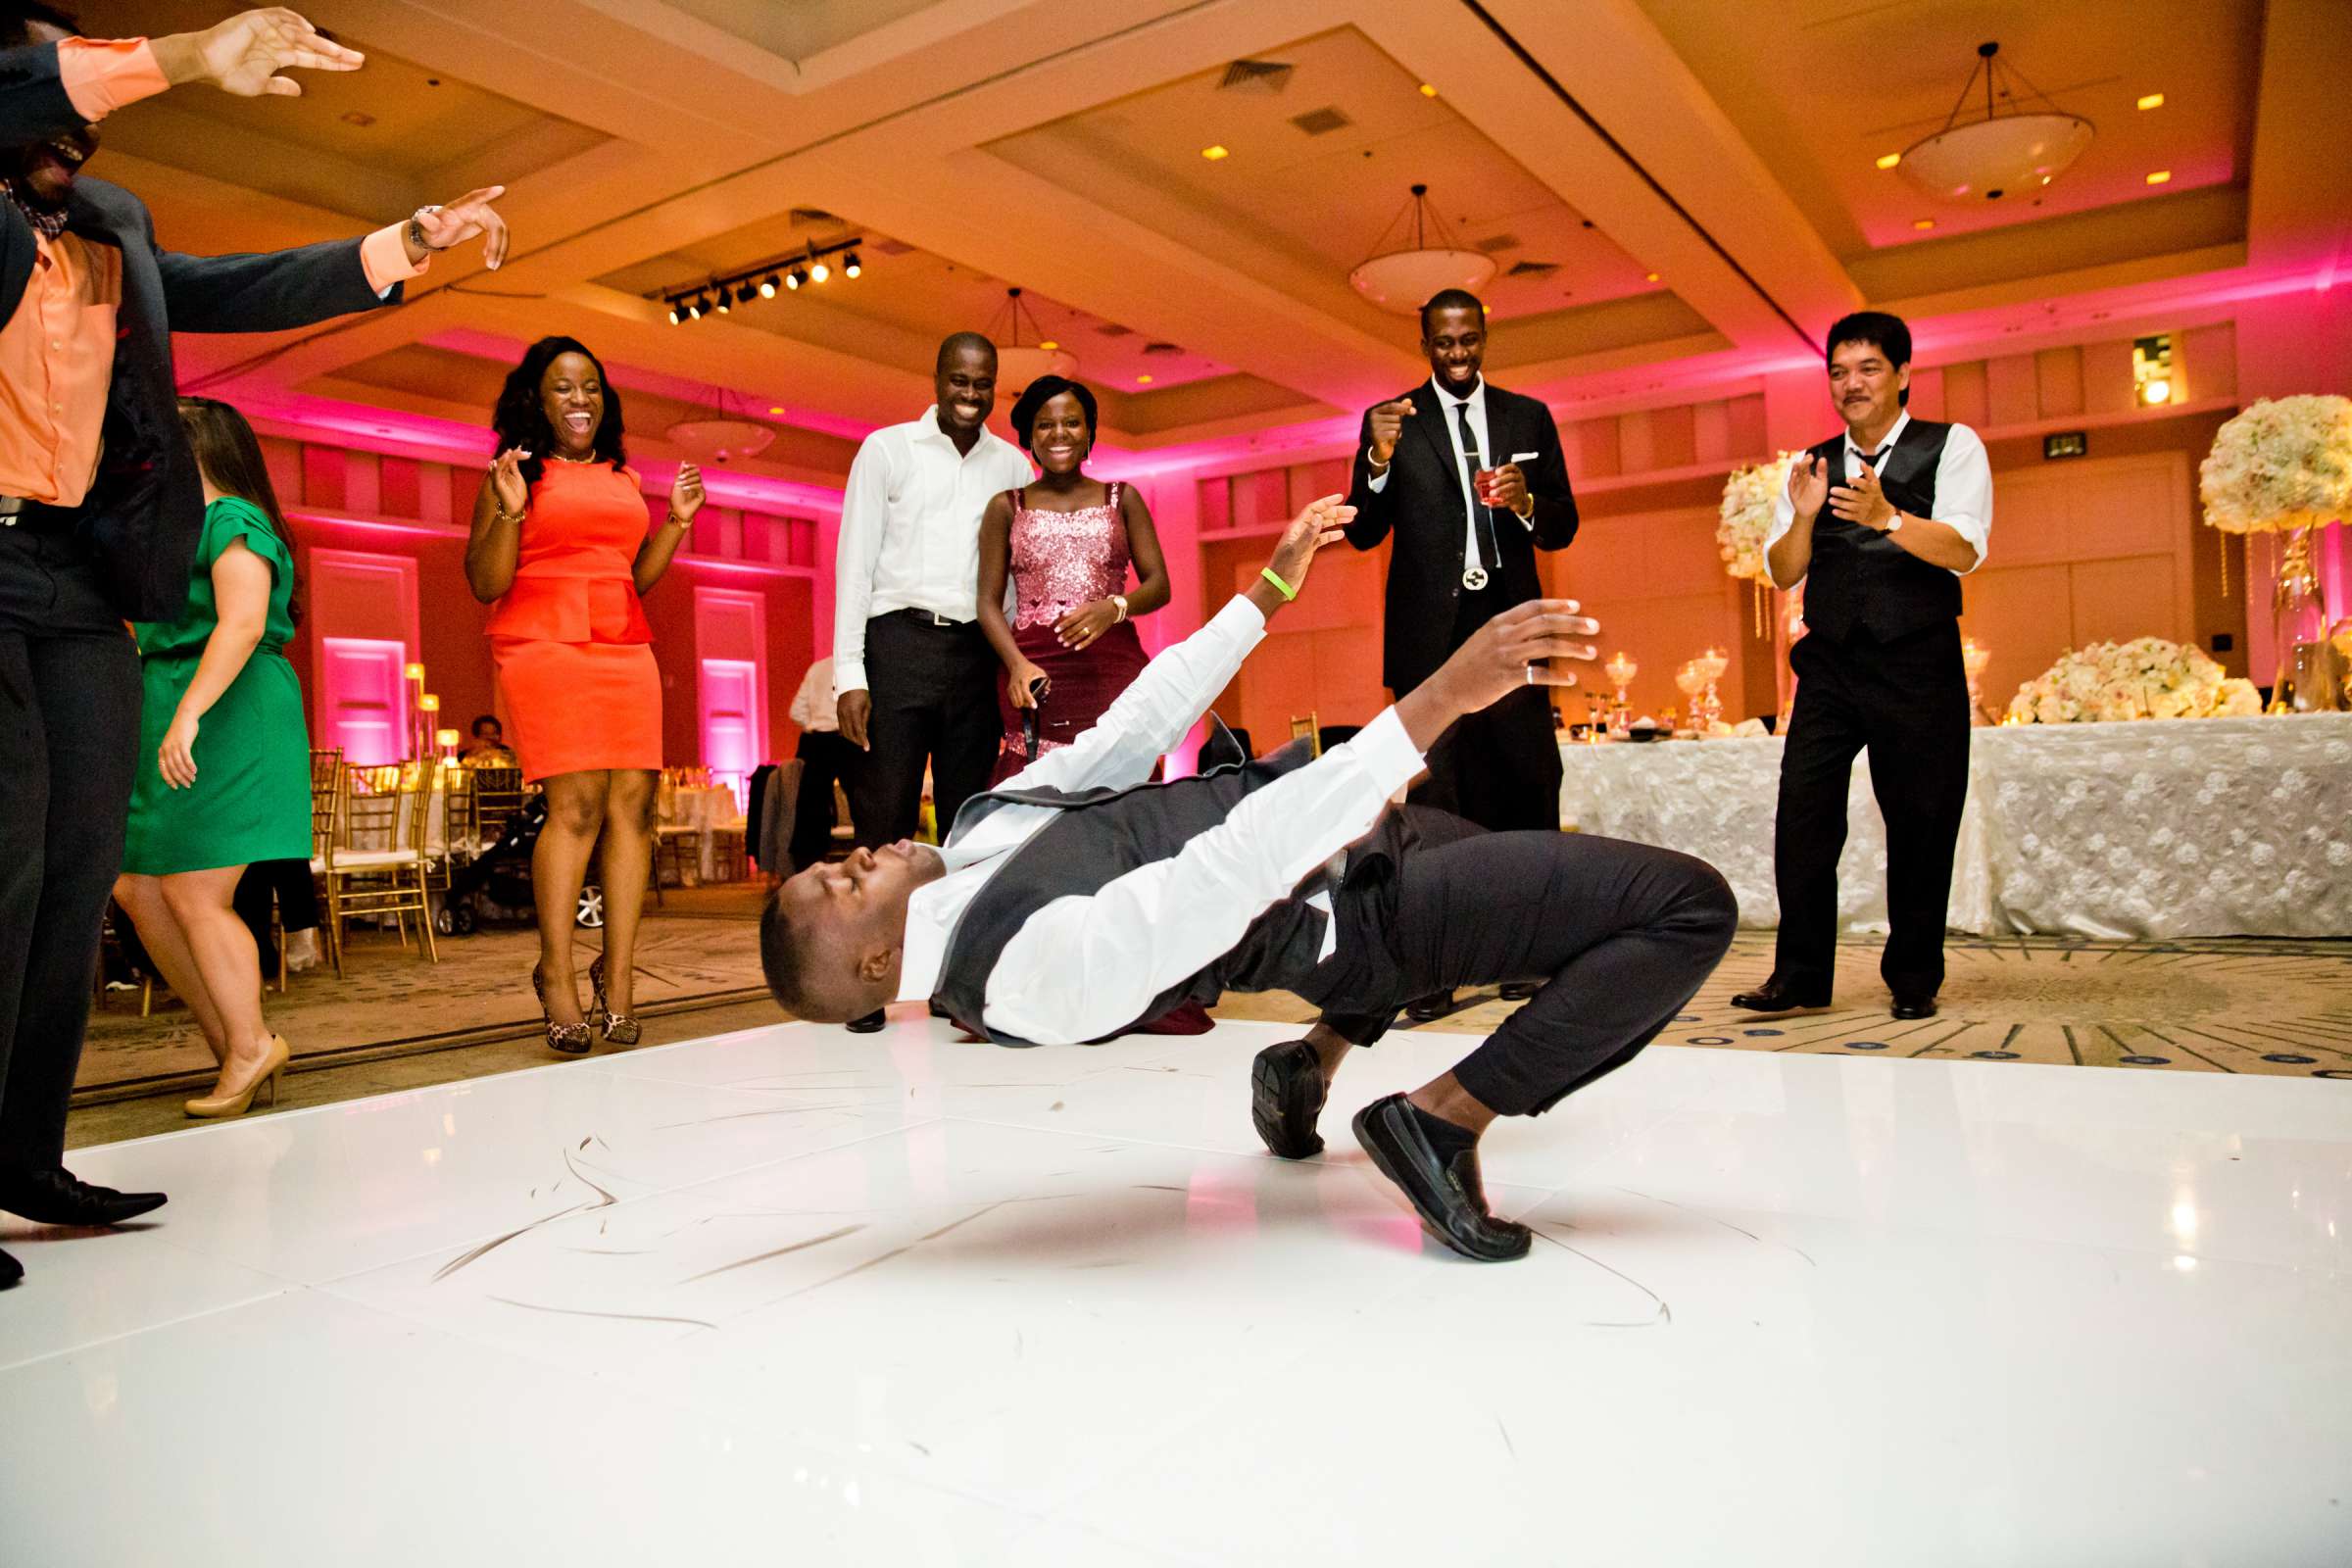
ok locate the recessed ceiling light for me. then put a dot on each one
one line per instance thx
(2161, 177)
(1049, 345)
(2154, 100)
(1215, 151)
(775, 408)
(1427, 91)
(1889, 159)
(1923, 223)
(1649, 277)
(1143, 380)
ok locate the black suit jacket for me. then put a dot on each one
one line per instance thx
(1422, 501)
(145, 511)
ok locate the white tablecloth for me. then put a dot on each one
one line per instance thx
(2162, 828)
(705, 810)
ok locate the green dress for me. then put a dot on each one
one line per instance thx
(252, 795)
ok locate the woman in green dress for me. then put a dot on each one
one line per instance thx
(224, 773)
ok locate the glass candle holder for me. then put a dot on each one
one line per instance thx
(1621, 671)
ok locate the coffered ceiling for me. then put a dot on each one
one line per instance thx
(1672, 189)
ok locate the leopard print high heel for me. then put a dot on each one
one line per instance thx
(619, 1028)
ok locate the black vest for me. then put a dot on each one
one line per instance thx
(1100, 836)
(1862, 581)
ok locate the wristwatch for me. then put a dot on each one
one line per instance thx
(1896, 525)
(417, 229)
(1120, 599)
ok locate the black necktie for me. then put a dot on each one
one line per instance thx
(1489, 553)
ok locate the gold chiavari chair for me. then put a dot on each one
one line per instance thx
(386, 860)
(1310, 730)
(497, 794)
(326, 775)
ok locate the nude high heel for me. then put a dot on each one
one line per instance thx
(236, 1105)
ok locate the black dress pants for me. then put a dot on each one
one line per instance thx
(1906, 703)
(69, 743)
(1620, 935)
(826, 757)
(934, 695)
(286, 888)
(1498, 768)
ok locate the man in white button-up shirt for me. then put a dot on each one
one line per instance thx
(1880, 523)
(1079, 901)
(914, 677)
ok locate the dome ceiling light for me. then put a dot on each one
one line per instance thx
(2013, 149)
(1399, 280)
(1018, 362)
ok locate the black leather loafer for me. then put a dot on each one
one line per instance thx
(55, 1197)
(1916, 1005)
(1430, 1008)
(1776, 995)
(1285, 1096)
(870, 1024)
(1448, 1193)
(1520, 990)
(11, 1271)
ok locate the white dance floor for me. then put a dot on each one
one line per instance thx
(795, 1296)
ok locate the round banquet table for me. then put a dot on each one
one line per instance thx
(2150, 828)
(703, 808)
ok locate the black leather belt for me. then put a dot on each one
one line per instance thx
(925, 617)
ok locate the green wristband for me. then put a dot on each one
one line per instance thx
(1288, 591)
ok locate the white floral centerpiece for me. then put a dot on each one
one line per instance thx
(1745, 521)
(2283, 464)
(2147, 678)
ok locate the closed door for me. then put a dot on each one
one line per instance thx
(363, 625)
(364, 699)
(731, 692)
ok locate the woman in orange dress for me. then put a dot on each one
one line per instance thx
(560, 543)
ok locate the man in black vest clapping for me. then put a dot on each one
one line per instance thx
(1080, 901)
(1880, 523)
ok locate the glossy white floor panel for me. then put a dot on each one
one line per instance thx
(793, 1295)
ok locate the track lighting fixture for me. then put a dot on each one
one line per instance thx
(812, 263)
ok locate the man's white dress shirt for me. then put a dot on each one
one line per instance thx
(813, 705)
(1963, 487)
(1477, 404)
(1083, 966)
(910, 530)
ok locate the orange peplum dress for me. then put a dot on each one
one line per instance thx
(574, 651)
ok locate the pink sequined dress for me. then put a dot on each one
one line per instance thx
(1059, 562)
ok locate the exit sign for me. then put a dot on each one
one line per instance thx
(2064, 444)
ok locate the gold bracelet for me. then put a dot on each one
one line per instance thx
(504, 516)
(673, 520)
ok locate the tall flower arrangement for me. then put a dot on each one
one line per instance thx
(2283, 464)
(2147, 678)
(1745, 521)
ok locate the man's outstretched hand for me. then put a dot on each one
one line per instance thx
(1524, 646)
(245, 54)
(1323, 521)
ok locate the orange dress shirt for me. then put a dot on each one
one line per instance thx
(57, 352)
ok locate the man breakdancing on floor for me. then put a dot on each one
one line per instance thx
(1078, 900)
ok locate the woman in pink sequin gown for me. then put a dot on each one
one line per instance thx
(1065, 543)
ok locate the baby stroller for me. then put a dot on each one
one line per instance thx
(497, 883)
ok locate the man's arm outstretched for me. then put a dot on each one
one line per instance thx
(1083, 967)
(1164, 702)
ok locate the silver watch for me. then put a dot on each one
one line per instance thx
(417, 229)
(1897, 526)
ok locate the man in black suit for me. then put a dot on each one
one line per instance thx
(101, 506)
(1461, 559)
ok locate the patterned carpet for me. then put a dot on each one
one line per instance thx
(2214, 1005)
(2231, 1004)
(702, 943)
